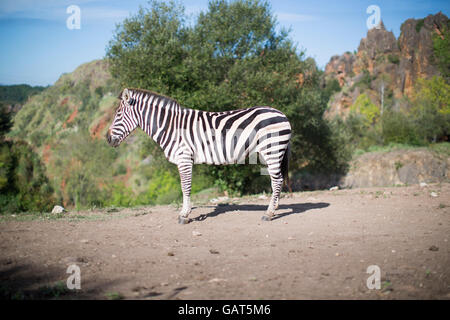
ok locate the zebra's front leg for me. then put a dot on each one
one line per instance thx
(185, 170)
(277, 182)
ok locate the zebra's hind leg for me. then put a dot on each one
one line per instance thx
(185, 170)
(277, 182)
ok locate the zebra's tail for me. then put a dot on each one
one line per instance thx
(285, 167)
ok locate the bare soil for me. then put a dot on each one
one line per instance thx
(319, 246)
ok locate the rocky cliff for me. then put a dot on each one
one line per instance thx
(385, 68)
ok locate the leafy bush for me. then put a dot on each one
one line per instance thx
(431, 108)
(398, 127)
(393, 58)
(366, 80)
(366, 108)
(24, 185)
(332, 86)
(164, 187)
(118, 195)
(5, 120)
(420, 23)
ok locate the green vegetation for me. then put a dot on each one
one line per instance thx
(369, 112)
(393, 58)
(114, 296)
(53, 291)
(332, 86)
(441, 149)
(441, 50)
(419, 24)
(23, 181)
(5, 120)
(366, 80)
(431, 108)
(426, 120)
(398, 165)
(18, 93)
(24, 185)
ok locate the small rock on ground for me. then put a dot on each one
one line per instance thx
(58, 209)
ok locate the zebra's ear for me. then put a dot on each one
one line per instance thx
(126, 95)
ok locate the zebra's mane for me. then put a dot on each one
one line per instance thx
(148, 92)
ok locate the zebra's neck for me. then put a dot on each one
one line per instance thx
(157, 114)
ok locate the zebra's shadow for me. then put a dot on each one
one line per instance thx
(295, 208)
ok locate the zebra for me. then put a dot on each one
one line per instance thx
(190, 136)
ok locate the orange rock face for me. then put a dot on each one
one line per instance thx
(383, 60)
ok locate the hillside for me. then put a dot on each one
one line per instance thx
(385, 68)
(66, 124)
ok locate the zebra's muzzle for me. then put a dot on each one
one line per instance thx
(113, 141)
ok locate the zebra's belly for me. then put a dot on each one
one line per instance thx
(250, 157)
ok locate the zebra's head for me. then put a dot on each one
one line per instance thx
(124, 122)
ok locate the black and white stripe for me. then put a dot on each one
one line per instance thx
(189, 136)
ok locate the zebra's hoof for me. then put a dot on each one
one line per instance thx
(182, 220)
(266, 218)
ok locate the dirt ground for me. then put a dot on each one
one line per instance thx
(318, 247)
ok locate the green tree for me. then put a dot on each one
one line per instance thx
(431, 109)
(148, 49)
(5, 120)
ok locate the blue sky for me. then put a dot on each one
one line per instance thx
(37, 47)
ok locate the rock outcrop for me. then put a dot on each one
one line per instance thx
(401, 167)
(385, 67)
(382, 169)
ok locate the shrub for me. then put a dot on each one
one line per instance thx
(393, 58)
(420, 23)
(431, 108)
(5, 120)
(24, 185)
(365, 107)
(164, 187)
(398, 127)
(441, 51)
